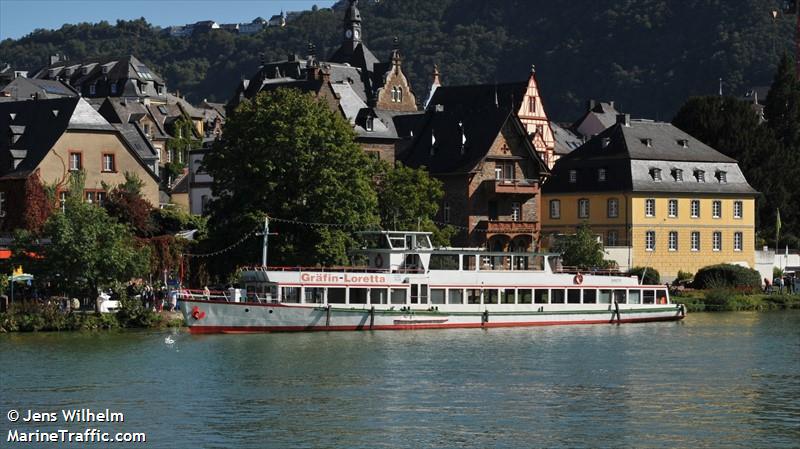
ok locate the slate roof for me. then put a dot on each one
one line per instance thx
(26, 88)
(136, 139)
(629, 154)
(476, 97)
(566, 140)
(128, 73)
(604, 112)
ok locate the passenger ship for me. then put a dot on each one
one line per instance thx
(407, 284)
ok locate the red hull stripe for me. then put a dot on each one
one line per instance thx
(262, 329)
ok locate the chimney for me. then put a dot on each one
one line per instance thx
(590, 105)
(54, 59)
(437, 76)
(611, 103)
(624, 120)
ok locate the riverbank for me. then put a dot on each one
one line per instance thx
(721, 300)
(35, 317)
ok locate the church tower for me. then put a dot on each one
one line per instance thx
(352, 27)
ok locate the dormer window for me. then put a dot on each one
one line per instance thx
(655, 173)
(683, 143)
(648, 142)
(601, 175)
(722, 176)
(113, 88)
(573, 176)
(677, 173)
(369, 123)
(700, 175)
(159, 89)
(105, 70)
(85, 70)
(92, 89)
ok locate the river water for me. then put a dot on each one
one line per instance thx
(714, 380)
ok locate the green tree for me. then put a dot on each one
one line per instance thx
(88, 249)
(126, 204)
(782, 106)
(289, 155)
(409, 199)
(581, 249)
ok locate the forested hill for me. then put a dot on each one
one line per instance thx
(648, 55)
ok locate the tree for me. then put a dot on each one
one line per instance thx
(581, 249)
(88, 249)
(408, 199)
(126, 204)
(782, 106)
(289, 155)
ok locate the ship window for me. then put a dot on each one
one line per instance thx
(525, 295)
(620, 296)
(542, 296)
(398, 296)
(315, 295)
(634, 296)
(574, 296)
(589, 296)
(336, 295)
(397, 242)
(490, 296)
(455, 297)
(437, 296)
(468, 263)
(444, 262)
(473, 296)
(507, 296)
(557, 296)
(649, 297)
(290, 294)
(605, 297)
(378, 296)
(419, 294)
(661, 295)
(358, 296)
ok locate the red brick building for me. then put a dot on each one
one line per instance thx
(473, 140)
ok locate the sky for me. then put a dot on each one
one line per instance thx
(20, 17)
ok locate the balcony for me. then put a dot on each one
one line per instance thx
(509, 227)
(529, 187)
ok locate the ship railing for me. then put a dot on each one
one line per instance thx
(211, 295)
(336, 269)
(592, 271)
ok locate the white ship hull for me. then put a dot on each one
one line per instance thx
(244, 317)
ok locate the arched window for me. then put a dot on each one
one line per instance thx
(394, 94)
(399, 94)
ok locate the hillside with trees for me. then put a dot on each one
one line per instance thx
(648, 55)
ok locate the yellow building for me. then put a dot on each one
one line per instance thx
(655, 196)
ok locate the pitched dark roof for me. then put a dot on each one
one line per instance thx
(136, 139)
(477, 97)
(629, 155)
(26, 88)
(456, 133)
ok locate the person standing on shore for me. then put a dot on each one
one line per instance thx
(766, 285)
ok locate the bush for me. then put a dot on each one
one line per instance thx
(651, 275)
(683, 277)
(726, 276)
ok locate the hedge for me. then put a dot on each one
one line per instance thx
(727, 276)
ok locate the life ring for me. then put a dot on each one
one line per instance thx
(379, 261)
(578, 279)
(198, 314)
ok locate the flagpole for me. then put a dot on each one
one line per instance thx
(777, 231)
